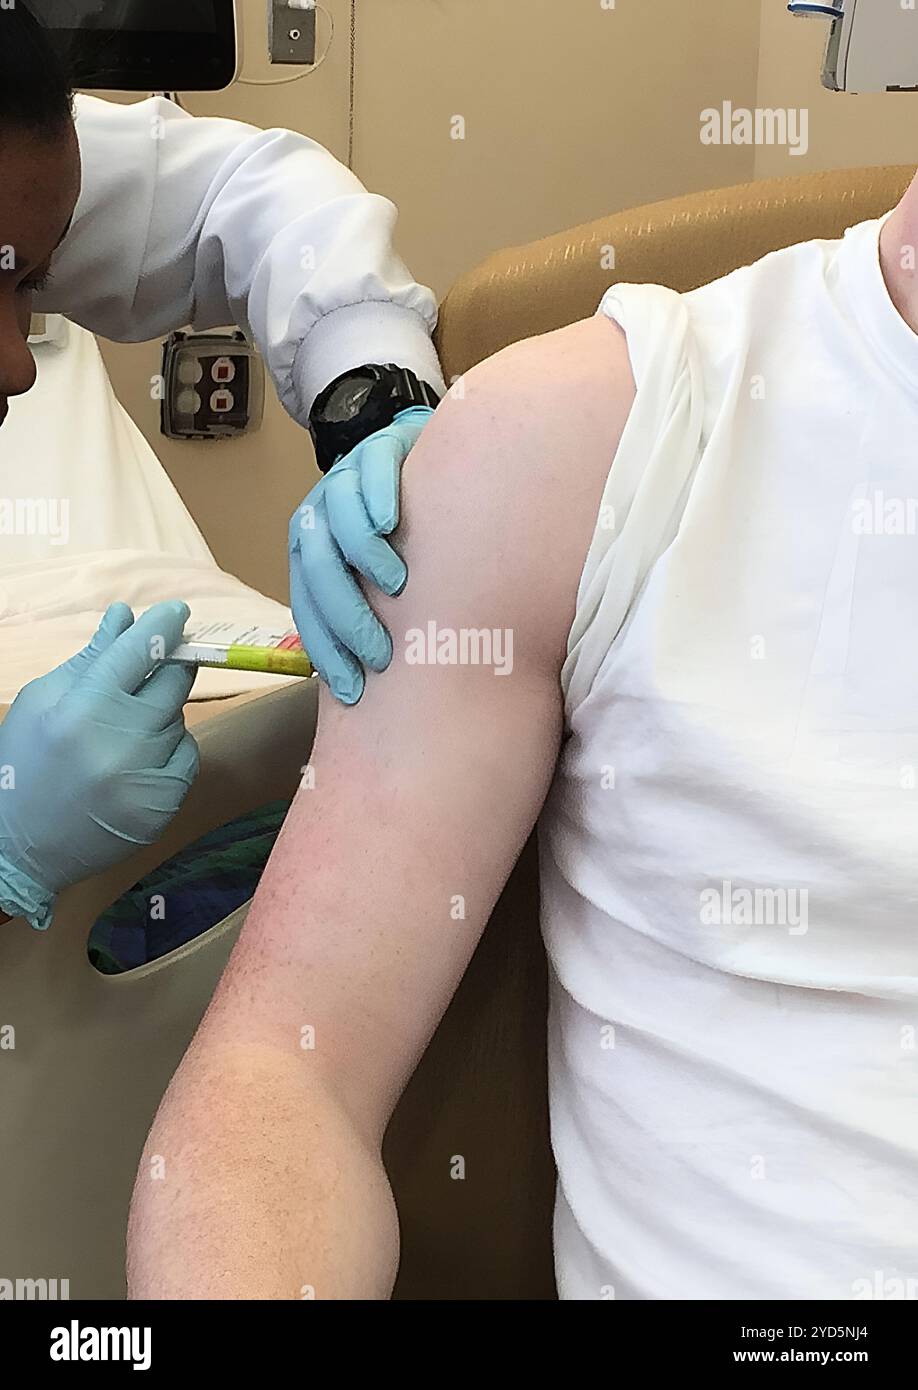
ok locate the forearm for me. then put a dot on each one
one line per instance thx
(255, 1184)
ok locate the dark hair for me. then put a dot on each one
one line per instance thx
(35, 88)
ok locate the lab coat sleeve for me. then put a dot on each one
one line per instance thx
(204, 222)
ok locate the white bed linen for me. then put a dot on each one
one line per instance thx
(88, 516)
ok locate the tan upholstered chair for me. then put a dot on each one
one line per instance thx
(93, 1053)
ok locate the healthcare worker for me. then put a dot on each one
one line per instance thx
(134, 221)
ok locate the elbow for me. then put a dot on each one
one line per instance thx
(254, 1185)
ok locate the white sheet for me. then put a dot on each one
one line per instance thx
(88, 515)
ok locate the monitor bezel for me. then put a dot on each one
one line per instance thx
(144, 61)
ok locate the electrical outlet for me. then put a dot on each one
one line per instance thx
(213, 386)
(292, 32)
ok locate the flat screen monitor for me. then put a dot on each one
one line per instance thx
(144, 45)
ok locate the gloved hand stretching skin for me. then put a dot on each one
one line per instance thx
(339, 527)
(94, 760)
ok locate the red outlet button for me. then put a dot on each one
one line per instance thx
(224, 370)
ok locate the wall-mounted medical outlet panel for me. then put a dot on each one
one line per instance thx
(213, 386)
(292, 31)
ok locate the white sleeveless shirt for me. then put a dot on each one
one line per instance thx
(730, 847)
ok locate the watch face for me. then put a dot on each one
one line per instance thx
(347, 400)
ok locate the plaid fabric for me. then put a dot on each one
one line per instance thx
(184, 897)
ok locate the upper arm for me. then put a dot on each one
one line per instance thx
(420, 798)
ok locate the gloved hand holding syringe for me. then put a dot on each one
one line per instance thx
(95, 760)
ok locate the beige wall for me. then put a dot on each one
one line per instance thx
(571, 111)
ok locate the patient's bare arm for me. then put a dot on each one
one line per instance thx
(388, 867)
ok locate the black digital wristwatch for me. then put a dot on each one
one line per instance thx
(360, 402)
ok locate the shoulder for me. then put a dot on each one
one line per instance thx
(501, 494)
(575, 384)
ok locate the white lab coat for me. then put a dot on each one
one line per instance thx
(206, 222)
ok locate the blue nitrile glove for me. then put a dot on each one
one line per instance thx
(341, 524)
(94, 759)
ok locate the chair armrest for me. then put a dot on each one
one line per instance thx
(681, 242)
